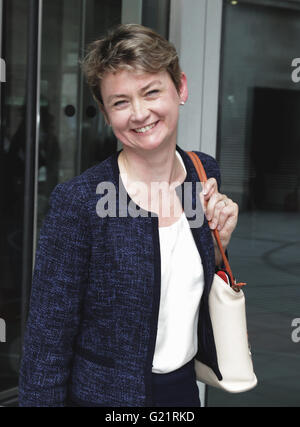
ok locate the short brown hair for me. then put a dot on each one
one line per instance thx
(131, 47)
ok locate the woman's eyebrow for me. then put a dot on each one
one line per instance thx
(150, 84)
(110, 98)
(143, 89)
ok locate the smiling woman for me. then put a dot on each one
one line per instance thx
(145, 116)
(119, 306)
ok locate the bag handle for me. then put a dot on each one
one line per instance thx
(203, 178)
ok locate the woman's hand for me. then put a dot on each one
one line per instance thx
(220, 211)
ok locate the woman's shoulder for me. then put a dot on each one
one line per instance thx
(207, 159)
(210, 165)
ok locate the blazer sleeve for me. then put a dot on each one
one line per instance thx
(59, 279)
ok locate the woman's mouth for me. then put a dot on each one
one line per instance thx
(145, 129)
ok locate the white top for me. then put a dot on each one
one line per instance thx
(182, 283)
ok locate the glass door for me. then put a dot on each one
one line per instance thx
(73, 136)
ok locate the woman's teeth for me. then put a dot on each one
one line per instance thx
(144, 129)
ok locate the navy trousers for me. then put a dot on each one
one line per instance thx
(176, 388)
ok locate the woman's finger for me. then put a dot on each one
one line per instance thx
(218, 212)
(213, 206)
(226, 232)
(209, 187)
(229, 211)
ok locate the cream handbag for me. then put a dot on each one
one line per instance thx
(228, 317)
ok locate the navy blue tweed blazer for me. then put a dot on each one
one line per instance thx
(92, 324)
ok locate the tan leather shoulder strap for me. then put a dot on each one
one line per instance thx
(203, 178)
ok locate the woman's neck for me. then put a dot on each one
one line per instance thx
(160, 165)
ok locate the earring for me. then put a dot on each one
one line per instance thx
(182, 103)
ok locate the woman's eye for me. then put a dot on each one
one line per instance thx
(153, 92)
(119, 103)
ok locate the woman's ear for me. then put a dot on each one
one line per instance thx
(183, 92)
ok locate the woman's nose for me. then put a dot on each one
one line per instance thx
(139, 111)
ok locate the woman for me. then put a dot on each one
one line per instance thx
(119, 304)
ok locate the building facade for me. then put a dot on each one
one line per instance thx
(242, 61)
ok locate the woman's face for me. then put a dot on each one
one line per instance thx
(142, 108)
